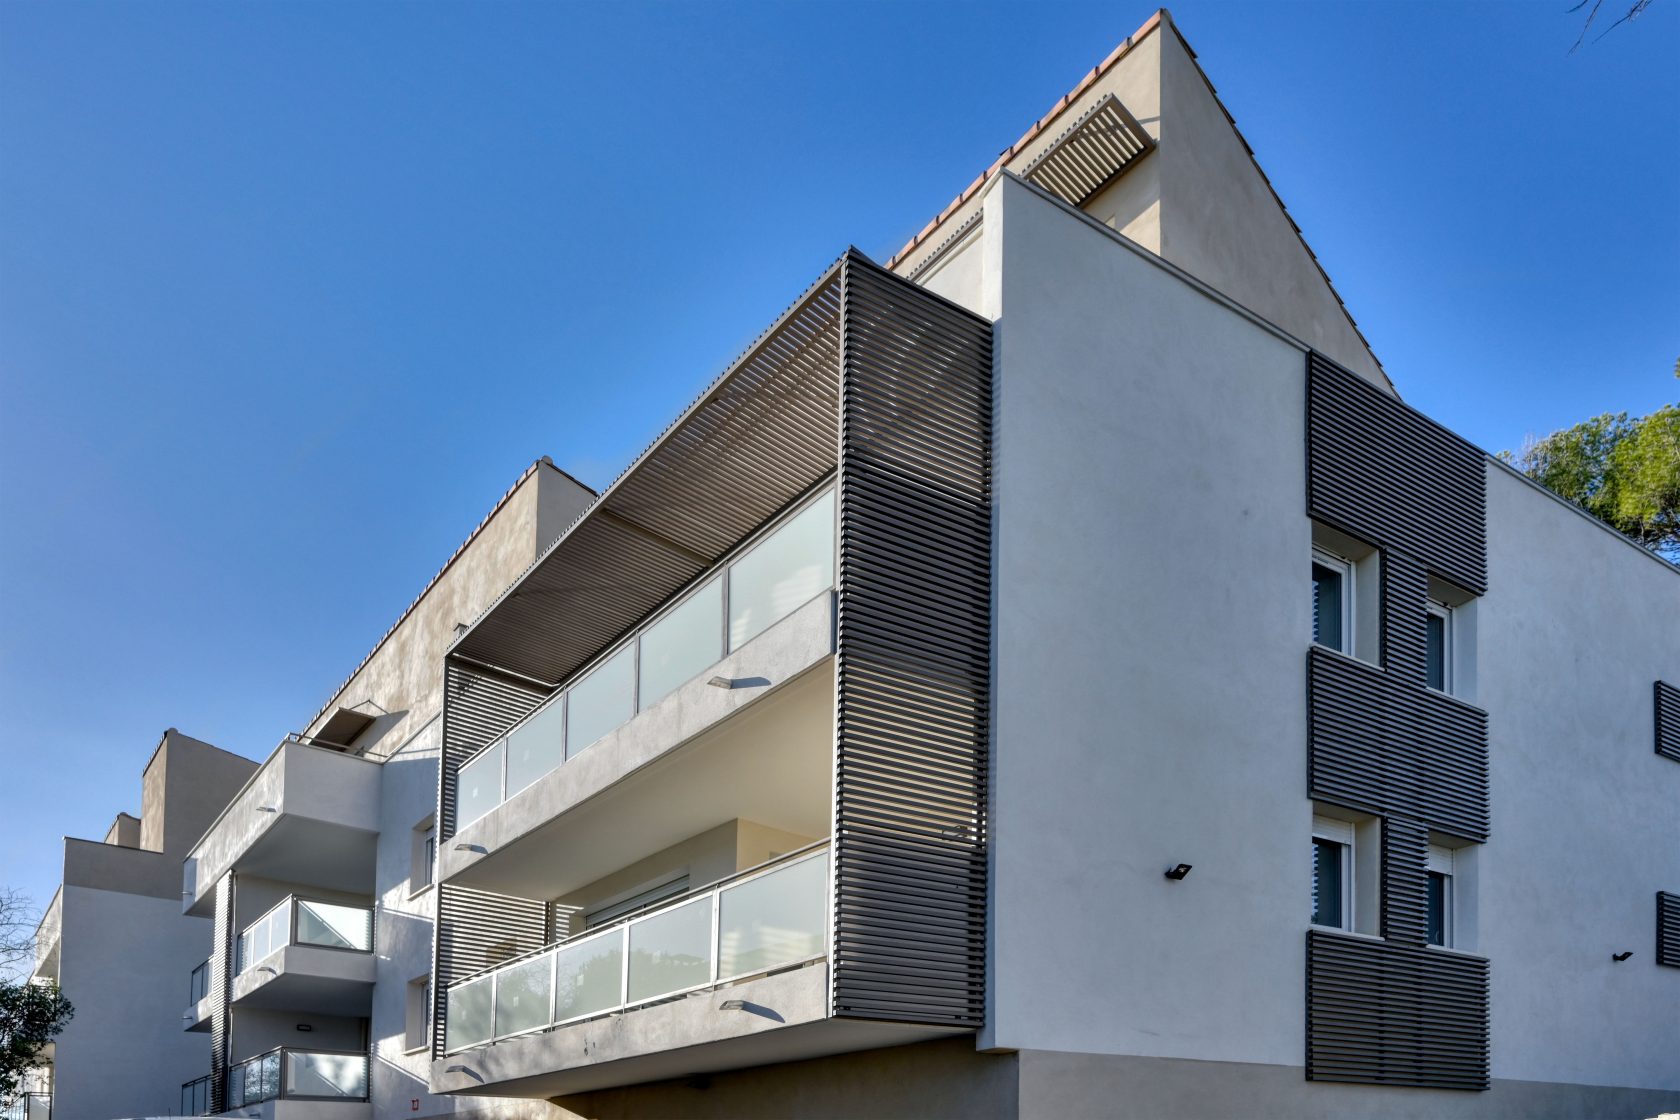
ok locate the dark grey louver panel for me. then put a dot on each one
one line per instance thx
(221, 991)
(475, 930)
(1382, 1013)
(1392, 476)
(1668, 929)
(913, 654)
(1381, 745)
(478, 708)
(1405, 880)
(1096, 148)
(1667, 716)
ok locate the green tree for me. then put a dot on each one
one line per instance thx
(30, 1015)
(1625, 472)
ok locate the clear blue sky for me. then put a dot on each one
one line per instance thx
(290, 294)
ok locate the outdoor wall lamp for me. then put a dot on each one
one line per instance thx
(733, 1005)
(267, 968)
(1619, 957)
(1178, 872)
(267, 809)
(721, 682)
(465, 847)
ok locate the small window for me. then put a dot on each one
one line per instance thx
(422, 856)
(1440, 910)
(1332, 873)
(1332, 579)
(1438, 631)
(417, 1030)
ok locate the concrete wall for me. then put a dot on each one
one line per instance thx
(402, 679)
(258, 1030)
(1151, 630)
(124, 832)
(125, 965)
(1576, 624)
(186, 785)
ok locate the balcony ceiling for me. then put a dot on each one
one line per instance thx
(762, 435)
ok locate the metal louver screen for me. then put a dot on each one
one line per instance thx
(1668, 929)
(1405, 881)
(1383, 1013)
(1378, 744)
(1096, 148)
(1667, 719)
(221, 991)
(478, 708)
(1391, 476)
(913, 655)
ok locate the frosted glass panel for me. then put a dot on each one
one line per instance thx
(469, 1014)
(589, 977)
(326, 1075)
(264, 936)
(784, 571)
(671, 951)
(601, 701)
(479, 786)
(522, 996)
(773, 920)
(682, 644)
(337, 927)
(536, 748)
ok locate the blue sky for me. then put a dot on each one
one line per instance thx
(289, 294)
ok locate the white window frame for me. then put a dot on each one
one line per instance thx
(422, 857)
(417, 1013)
(1442, 611)
(1346, 567)
(1441, 863)
(1340, 832)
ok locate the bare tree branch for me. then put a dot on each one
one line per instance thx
(1638, 6)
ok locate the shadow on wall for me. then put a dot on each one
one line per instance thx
(946, 1078)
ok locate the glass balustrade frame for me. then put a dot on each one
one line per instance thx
(292, 903)
(719, 575)
(198, 983)
(622, 930)
(277, 1057)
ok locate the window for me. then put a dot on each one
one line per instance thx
(1332, 601)
(417, 1031)
(1440, 913)
(422, 856)
(641, 899)
(1438, 647)
(1332, 873)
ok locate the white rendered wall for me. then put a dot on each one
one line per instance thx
(1151, 635)
(1575, 626)
(126, 964)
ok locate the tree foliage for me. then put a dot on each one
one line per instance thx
(1623, 471)
(30, 1015)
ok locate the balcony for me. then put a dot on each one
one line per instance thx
(309, 815)
(307, 955)
(725, 962)
(28, 1106)
(288, 1074)
(692, 703)
(199, 1006)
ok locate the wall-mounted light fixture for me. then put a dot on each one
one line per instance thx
(722, 682)
(267, 809)
(733, 1005)
(1619, 957)
(465, 847)
(305, 1027)
(1178, 872)
(266, 968)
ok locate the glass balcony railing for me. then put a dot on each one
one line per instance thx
(768, 580)
(306, 921)
(27, 1106)
(198, 984)
(195, 1097)
(742, 927)
(291, 1074)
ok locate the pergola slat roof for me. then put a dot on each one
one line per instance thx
(763, 434)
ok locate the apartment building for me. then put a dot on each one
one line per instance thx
(114, 939)
(1052, 673)
(1055, 674)
(313, 888)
